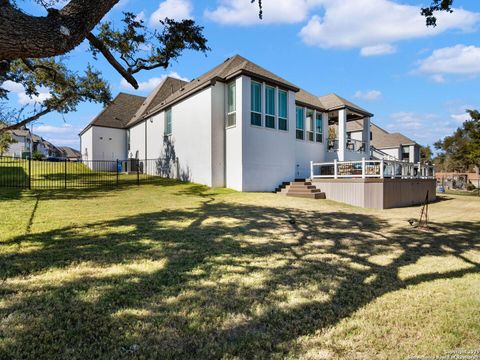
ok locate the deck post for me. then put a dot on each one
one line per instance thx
(311, 170)
(381, 168)
(363, 168)
(419, 173)
(335, 171)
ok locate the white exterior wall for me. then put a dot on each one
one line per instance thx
(101, 143)
(191, 138)
(17, 148)
(137, 141)
(234, 136)
(395, 152)
(86, 144)
(218, 134)
(268, 154)
(108, 143)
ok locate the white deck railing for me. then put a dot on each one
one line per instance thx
(371, 169)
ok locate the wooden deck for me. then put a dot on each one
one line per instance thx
(377, 193)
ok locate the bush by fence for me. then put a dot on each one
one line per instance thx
(35, 174)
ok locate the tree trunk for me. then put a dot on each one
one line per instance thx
(26, 36)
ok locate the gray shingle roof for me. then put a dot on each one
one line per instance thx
(118, 113)
(306, 98)
(231, 68)
(381, 139)
(333, 102)
(166, 88)
(69, 152)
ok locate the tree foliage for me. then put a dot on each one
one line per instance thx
(6, 139)
(435, 6)
(461, 150)
(425, 154)
(129, 48)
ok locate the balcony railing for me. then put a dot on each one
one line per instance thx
(350, 145)
(371, 169)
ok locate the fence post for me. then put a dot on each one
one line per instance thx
(335, 172)
(65, 168)
(30, 173)
(138, 171)
(117, 173)
(381, 168)
(363, 168)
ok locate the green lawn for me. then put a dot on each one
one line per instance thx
(171, 270)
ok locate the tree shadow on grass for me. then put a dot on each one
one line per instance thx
(222, 280)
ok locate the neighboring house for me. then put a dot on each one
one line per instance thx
(22, 144)
(238, 125)
(69, 153)
(24, 139)
(385, 145)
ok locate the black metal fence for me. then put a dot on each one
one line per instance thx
(36, 174)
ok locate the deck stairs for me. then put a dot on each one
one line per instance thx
(300, 188)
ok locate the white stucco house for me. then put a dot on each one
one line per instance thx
(385, 145)
(238, 126)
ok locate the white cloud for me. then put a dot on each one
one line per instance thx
(12, 86)
(151, 83)
(51, 129)
(369, 95)
(460, 118)
(43, 94)
(374, 25)
(457, 60)
(243, 12)
(22, 97)
(375, 50)
(439, 79)
(173, 9)
(423, 128)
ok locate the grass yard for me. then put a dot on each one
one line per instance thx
(170, 270)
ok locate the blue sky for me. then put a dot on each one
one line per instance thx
(376, 53)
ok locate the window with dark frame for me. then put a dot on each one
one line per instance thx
(270, 107)
(256, 104)
(282, 110)
(300, 128)
(231, 104)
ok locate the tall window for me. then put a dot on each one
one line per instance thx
(256, 100)
(282, 110)
(310, 125)
(231, 104)
(270, 107)
(405, 152)
(168, 122)
(319, 128)
(300, 133)
(128, 140)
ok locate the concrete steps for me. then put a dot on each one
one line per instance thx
(302, 189)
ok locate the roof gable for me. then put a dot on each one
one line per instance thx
(166, 88)
(333, 102)
(118, 113)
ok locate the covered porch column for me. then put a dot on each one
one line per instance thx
(366, 136)
(342, 133)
